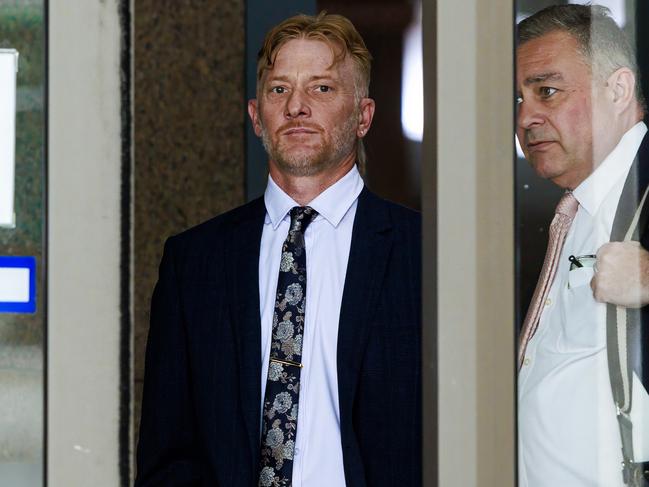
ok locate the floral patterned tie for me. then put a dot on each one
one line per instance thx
(279, 418)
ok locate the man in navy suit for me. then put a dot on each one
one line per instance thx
(254, 377)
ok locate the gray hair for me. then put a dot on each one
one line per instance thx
(602, 44)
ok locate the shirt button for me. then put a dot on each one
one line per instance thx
(548, 302)
(526, 361)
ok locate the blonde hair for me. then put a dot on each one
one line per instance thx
(335, 30)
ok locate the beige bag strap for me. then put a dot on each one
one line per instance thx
(620, 372)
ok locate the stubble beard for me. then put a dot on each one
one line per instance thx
(303, 162)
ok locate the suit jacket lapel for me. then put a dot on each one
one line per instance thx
(245, 316)
(368, 257)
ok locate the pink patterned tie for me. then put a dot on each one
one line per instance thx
(563, 215)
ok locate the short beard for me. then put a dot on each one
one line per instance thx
(330, 153)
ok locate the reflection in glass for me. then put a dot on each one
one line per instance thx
(412, 84)
(583, 410)
(392, 33)
(22, 334)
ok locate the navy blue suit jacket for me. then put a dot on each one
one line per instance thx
(202, 389)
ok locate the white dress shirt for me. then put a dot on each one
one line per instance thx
(568, 432)
(318, 460)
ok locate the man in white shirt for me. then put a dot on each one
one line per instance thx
(579, 122)
(284, 347)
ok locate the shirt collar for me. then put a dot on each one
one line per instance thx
(593, 190)
(332, 204)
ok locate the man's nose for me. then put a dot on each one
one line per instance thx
(297, 105)
(529, 114)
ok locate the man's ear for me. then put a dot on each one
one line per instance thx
(366, 115)
(253, 112)
(622, 88)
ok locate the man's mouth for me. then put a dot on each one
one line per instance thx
(299, 131)
(539, 145)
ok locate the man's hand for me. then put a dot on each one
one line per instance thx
(622, 275)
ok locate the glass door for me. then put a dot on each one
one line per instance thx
(23, 311)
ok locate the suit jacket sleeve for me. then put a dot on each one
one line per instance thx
(167, 453)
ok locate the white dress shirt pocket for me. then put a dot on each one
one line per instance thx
(580, 277)
(584, 319)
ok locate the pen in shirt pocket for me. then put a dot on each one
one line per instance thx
(583, 270)
(581, 261)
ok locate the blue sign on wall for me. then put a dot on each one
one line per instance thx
(17, 284)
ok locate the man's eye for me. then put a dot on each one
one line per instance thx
(519, 99)
(278, 89)
(323, 88)
(546, 91)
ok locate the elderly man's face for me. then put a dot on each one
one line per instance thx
(306, 112)
(560, 111)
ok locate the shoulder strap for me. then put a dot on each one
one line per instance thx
(619, 357)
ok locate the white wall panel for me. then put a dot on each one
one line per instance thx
(475, 243)
(84, 249)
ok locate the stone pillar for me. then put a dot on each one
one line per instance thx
(189, 108)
